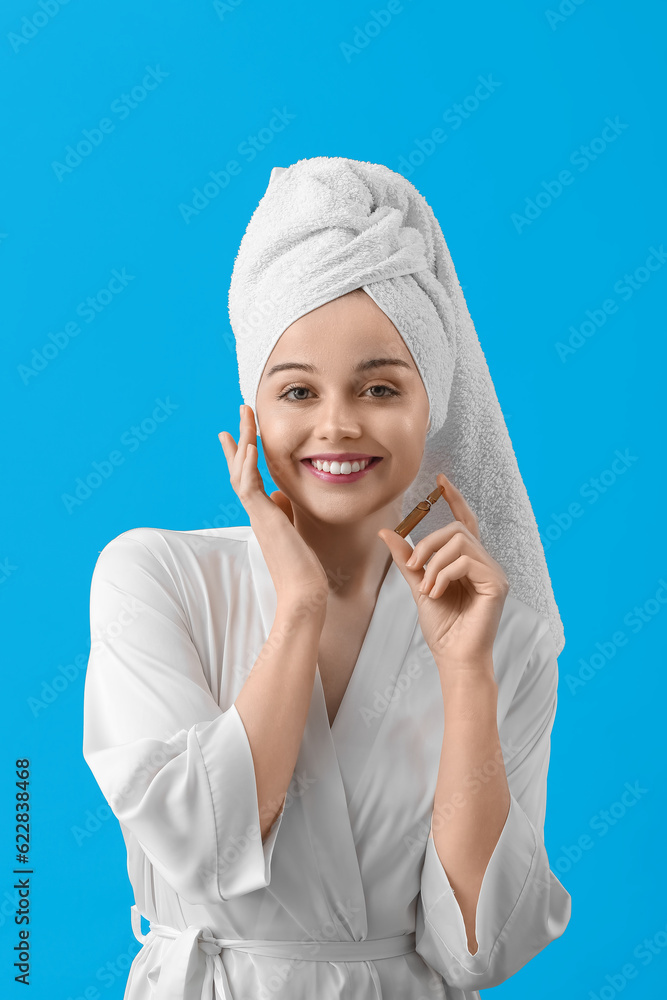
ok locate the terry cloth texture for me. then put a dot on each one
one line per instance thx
(328, 225)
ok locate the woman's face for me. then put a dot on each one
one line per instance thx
(349, 387)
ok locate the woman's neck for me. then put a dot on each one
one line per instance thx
(354, 558)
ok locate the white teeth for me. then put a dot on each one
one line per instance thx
(340, 468)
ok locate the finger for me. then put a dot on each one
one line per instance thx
(251, 490)
(458, 504)
(228, 445)
(399, 547)
(246, 436)
(401, 550)
(460, 544)
(436, 540)
(465, 567)
(250, 482)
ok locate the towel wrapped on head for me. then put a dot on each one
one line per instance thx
(328, 225)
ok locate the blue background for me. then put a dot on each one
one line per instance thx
(531, 284)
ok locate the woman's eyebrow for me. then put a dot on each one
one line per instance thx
(361, 367)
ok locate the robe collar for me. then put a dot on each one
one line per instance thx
(332, 759)
(380, 658)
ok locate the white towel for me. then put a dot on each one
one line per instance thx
(328, 225)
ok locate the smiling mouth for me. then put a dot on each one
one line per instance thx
(347, 471)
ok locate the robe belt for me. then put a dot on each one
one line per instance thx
(195, 955)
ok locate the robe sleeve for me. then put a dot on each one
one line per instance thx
(176, 770)
(522, 906)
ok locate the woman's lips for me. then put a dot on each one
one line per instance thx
(330, 477)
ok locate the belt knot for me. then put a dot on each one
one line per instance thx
(208, 943)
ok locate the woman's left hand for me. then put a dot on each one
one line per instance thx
(460, 594)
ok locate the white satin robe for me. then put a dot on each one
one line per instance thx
(177, 621)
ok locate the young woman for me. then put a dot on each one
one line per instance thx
(327, 745)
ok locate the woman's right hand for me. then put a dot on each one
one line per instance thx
(296, 571)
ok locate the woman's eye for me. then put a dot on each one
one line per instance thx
(390, 391)
(302, 388)
(293, 388)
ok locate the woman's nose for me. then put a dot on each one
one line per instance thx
(336, 419)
